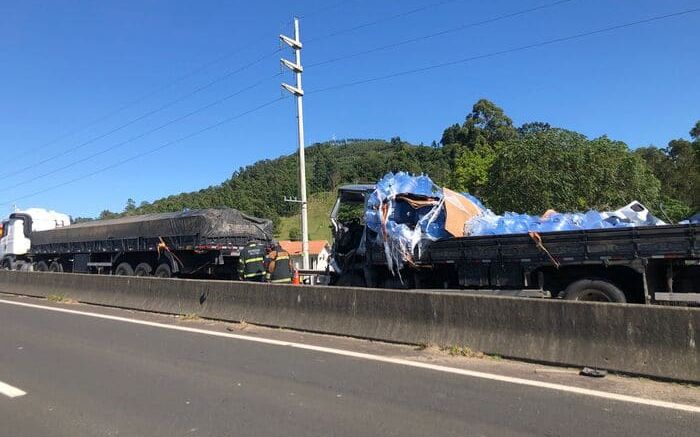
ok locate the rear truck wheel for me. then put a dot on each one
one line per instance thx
(594, 290)
(56, 267)
(124, 269)
(41, 266)
(6, 264)
(143, 269)
(163, 271)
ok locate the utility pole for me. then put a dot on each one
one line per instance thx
(298, 91)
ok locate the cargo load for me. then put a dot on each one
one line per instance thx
(408, 212)
(205, 224)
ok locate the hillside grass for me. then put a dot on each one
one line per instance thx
(320, 205)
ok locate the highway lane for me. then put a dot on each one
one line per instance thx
(89, 376)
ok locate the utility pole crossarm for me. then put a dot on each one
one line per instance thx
(298, 92)
(293, 43)
(292, 89)
(292, 66)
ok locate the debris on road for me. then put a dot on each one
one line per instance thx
(594, 373)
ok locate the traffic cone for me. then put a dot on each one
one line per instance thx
(295, 278)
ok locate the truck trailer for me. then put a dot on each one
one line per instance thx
(644, 264)
(197, 243)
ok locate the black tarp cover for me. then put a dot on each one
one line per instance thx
(205, 223)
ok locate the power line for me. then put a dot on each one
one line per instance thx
(325, 9)
(140, 117)
(150, 151)
(380, 20)
(145, 96)
(144, 134)
(440, 33)
(262, 38)
(505, 51)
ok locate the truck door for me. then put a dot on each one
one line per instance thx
(14, 240)
(3, 240)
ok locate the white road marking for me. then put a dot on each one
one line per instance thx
(10, 391)
(382, 359)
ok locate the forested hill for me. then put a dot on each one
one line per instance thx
(528, 168)
(259, 189)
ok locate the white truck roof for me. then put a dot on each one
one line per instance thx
(44, 219)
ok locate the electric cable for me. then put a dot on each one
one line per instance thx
(150, 151)
(325, 9)
(505, 51)
(140, 117)
(144, 134)
(379, 21)
(440, 33)
(169, 84)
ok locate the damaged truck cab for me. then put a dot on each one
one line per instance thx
(641, 264)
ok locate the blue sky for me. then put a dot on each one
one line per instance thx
(64, 65)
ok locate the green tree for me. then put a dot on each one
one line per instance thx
(695, 131)
(677, 166)
(485, 124)
(472, 167)
(130, 206)
(77, 220)
(695, 135)
(294, 234)
(563, 170)
(533, 127)
(107, 214)
(473, 146)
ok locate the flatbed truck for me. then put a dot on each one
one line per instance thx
(646, 264)
(198, 243)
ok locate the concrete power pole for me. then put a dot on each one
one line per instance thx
(298, 91)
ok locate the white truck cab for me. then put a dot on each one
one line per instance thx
(17, 230)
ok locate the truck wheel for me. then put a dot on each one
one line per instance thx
(163, 271)
(6, 264)
(56, 267)
(143, 269)
(594, 290)
(41, 267)
(124, 269)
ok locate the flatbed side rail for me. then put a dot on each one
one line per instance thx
(674, 241)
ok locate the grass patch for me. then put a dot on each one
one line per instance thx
(56, 298)
(463, 351)
(320, 205)
(189, 317)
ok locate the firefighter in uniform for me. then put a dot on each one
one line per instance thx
(279, 266)
(251, 262)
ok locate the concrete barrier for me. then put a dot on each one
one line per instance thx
(645, 340)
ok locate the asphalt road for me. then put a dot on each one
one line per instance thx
(86, 376)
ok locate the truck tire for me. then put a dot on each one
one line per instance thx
(163, 271)
(594, 290)
(124, 269)
(56, 267)
(41, 267)
(143, 269)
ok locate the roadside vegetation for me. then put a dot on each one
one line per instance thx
(528, 168)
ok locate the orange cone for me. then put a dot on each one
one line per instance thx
(295, 278)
